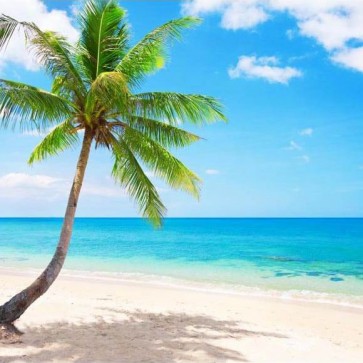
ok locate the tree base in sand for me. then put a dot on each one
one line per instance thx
(9, 334)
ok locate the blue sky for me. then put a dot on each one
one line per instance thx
(290, 75)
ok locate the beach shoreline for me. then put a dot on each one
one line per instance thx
(167, 282)
(93, 319)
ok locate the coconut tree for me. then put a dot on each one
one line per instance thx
(96, 97)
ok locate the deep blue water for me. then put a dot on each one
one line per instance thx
(324, 255)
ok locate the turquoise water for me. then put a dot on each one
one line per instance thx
(307, 257)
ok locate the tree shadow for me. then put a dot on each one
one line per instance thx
(134, 337)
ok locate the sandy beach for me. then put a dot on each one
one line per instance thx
(91, 319)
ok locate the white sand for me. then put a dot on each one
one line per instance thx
(93, 320)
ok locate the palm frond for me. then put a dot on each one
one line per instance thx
(109, 90)
(58, 57)
(60, 138)
(104, 36)
(162, 162)
(178, 107)
(128, 172)
(165, 134)
(149, 54)
(50, 49)
(60, 88)
(28, 106)
(8, 26)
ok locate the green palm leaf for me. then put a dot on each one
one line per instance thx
(28, 106)
(162, 162)
(165, 134)
(149, 54)
(109, 90)
(128, 172)
(60, 138)
(103, 38)
(8, 26)
(57, 56)
(177, 107)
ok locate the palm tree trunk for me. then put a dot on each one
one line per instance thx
(16, 306)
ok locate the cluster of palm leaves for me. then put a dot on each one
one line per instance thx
(95, 85)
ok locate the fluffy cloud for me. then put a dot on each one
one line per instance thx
(263, 67)
(20, 180)
(37, 12)
(237, 16)
(25, 186)
(45, 187)
(335, 24)
(350, 57)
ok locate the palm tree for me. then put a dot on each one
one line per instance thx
(94, 94)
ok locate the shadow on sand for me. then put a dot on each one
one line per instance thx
(134, 337)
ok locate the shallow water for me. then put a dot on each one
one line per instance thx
(317, 258)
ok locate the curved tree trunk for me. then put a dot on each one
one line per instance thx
(17, 305)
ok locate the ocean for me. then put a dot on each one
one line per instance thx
(314, 259)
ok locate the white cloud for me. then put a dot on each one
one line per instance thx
(307, 132)
(212, 171)
(27, 186)
(37, 12)
(198, 7)
(350, 58)
(294, 146)
(20, 180)
(334, 24)
(237, 16)
(263, 67)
